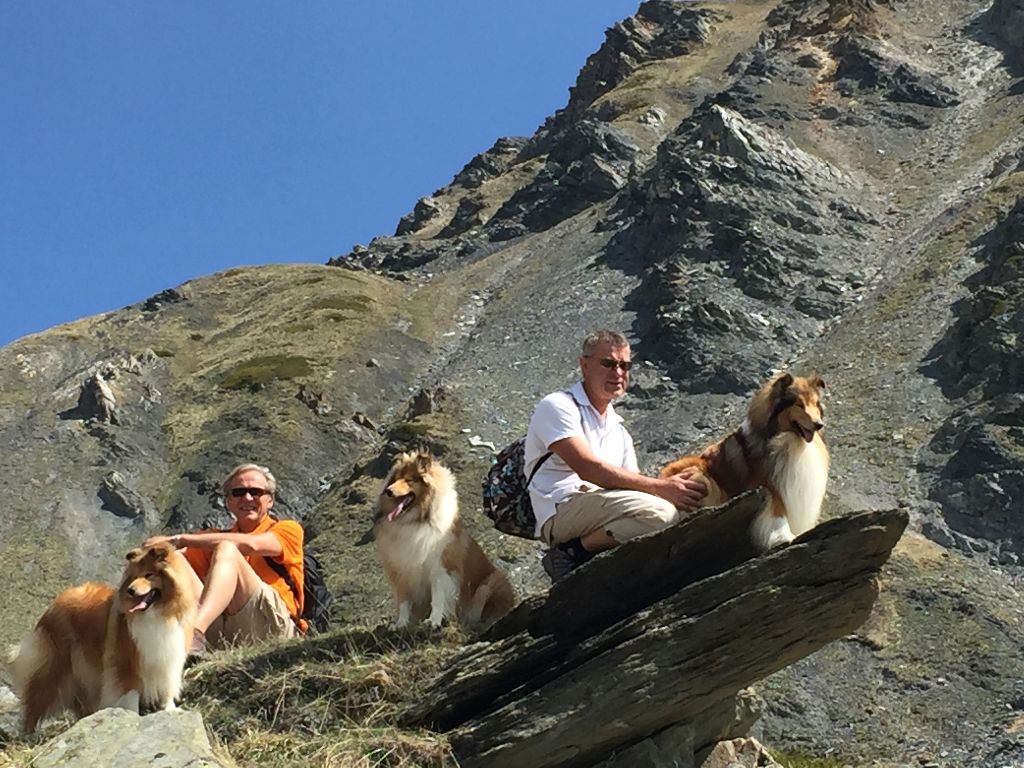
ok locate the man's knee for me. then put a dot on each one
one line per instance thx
(225, 550)
(663, 509)
(640, 513)
(637, 504)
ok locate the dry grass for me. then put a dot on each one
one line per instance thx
(328, 701)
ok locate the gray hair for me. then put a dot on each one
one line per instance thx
(614, 338)
(271, 482)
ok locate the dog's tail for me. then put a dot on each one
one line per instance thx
(21, 661)
(9, 660)
(493, 599)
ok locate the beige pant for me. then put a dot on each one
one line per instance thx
(264, 615)
(624, 515)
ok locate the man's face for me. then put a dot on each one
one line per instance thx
(248, 507)
(603, 372)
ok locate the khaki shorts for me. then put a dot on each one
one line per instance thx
(623, 515)
(264, 616)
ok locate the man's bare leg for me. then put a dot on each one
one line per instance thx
(230, 583)
(598, 541)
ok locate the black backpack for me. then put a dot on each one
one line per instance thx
(316, 600)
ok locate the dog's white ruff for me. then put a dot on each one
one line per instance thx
(800, 475)
(421, 565)
(160, 642)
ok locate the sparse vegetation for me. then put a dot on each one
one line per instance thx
(797, 760)
(409, 432)
(263, 370)
(352, 303)
(331, 700)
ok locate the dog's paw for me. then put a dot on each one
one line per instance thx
(437, 621)
(404, 615)
(780, 539)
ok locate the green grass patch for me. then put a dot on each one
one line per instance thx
(163, 352)
(300, 327)
(263, 370)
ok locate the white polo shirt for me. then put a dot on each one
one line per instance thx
(556, 418)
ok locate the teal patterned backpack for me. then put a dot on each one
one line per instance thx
(506, 492)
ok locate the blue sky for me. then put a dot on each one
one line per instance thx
(144, 144)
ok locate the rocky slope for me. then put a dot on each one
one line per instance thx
(811, 184)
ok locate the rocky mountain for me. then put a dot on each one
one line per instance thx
(828, 185)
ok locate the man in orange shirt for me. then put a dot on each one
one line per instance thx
(244, 596)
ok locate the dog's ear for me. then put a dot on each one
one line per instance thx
(161, 552)
(783, 382)
(817, 382)
(134, 556)
(423, 462)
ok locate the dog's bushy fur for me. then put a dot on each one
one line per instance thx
(98, 646)
(781, 446)
(430, 559)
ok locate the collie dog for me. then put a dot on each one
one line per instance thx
(780, 446)
(429, 557)
(99, 646)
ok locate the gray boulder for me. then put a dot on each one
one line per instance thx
(117, 738)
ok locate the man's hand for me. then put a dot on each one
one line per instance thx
(685, 493)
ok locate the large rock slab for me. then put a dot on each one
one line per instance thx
(117, 738)
(573, 687)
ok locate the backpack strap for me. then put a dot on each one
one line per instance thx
(536, 466)
(547, 455)
(281, 571)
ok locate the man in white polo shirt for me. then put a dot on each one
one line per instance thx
(588, 494)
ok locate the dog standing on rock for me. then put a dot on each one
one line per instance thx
(780, 445)
(430, 559)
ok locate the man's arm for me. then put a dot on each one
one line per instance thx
(265, 544)
(679, 489)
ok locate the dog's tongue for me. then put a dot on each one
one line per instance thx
(398, 509)
(139, 606)
(807, 434)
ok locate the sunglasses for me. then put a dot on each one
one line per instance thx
(607, 362)
(256, 493)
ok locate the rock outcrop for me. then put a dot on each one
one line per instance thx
(660, 633)
(741, 237)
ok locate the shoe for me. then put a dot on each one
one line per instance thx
(198, 648)
(557, 563)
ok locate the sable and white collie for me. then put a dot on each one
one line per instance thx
(99, 646)
(780, 446)
(429, 557)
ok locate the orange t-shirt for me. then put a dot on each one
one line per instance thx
(289, 533)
